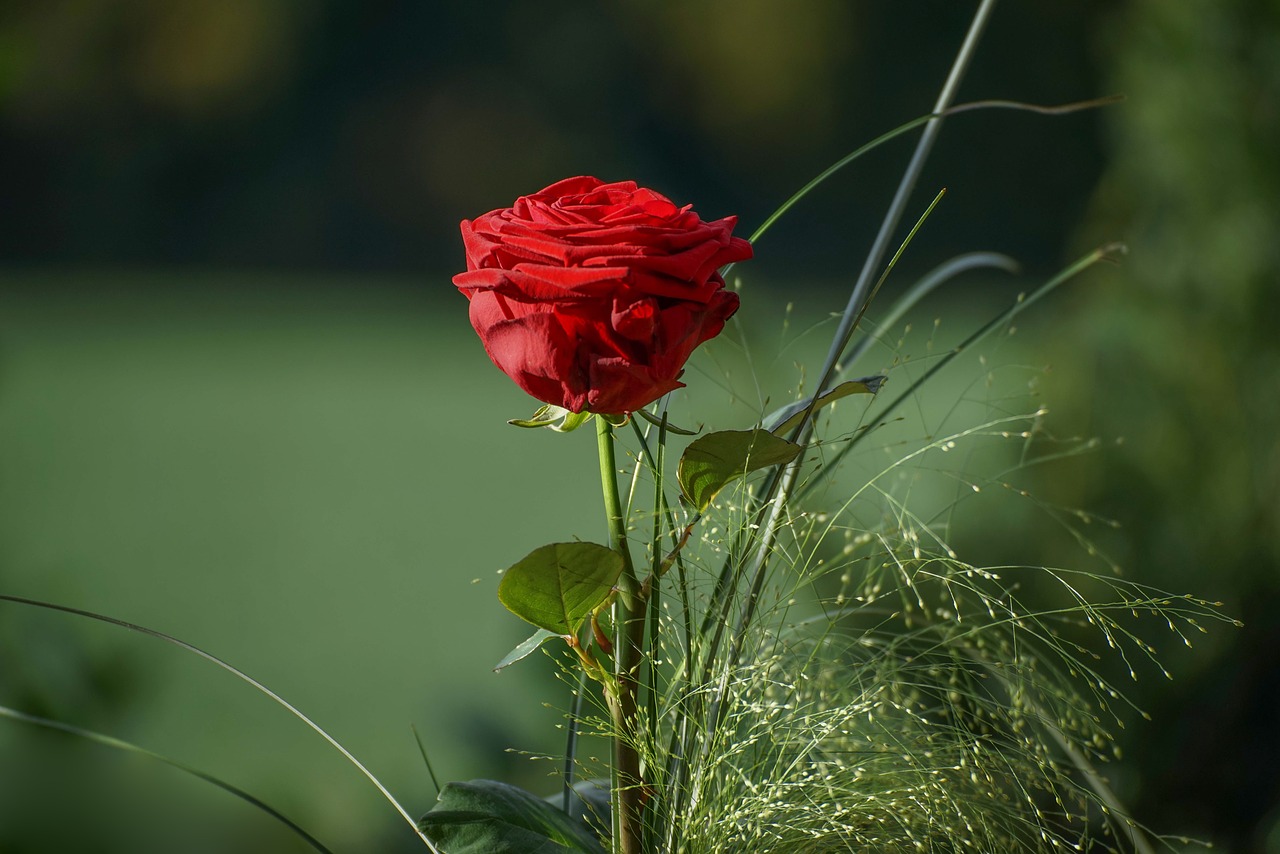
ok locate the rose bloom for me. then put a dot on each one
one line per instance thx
(592, 296)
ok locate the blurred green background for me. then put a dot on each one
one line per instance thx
(240, 403)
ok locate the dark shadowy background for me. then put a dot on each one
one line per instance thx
(239, 401)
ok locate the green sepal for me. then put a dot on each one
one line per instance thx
(526, 648)
(619, 420)
(489, 817)
(717, 459)
(788, 417)
(557, 586)
(572, 421)
(556, 417)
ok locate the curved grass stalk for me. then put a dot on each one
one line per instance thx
(932, 128)
(426, 760)
(937, 277)
(934, 279)
(728, 580)
(907, 127)
(1095, 781)
(120, 744)
(775, 506)
(1019, 306)
(244, 677)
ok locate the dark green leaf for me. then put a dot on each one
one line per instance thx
(488, 817)
(713, 461)
(526, 648)
(556, 586)
(589, 803)
(787, 418)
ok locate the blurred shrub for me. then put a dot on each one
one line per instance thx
(1180, 357)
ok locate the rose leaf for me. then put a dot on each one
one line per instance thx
(488, 817)
(787, 418)
(526, 648)
(717, 459)
(557, 586)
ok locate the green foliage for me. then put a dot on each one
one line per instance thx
(891, 697)
(557, 586)
(489, 817)
(788, 418)
(872, 690)
(525, 648)
(717, 459)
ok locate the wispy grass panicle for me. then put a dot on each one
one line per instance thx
(888, 695)
(919, 708)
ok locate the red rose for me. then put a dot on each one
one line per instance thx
(591, 296)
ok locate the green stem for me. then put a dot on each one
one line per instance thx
(629, 620)
(627, 584)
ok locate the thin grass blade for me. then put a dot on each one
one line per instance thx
(128, 747)
(244, 677)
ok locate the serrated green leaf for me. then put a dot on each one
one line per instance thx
(488, 817)
(787, 418)
(556, 586)
(713, 461)
(526, 648)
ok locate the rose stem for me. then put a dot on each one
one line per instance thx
(629, 613)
